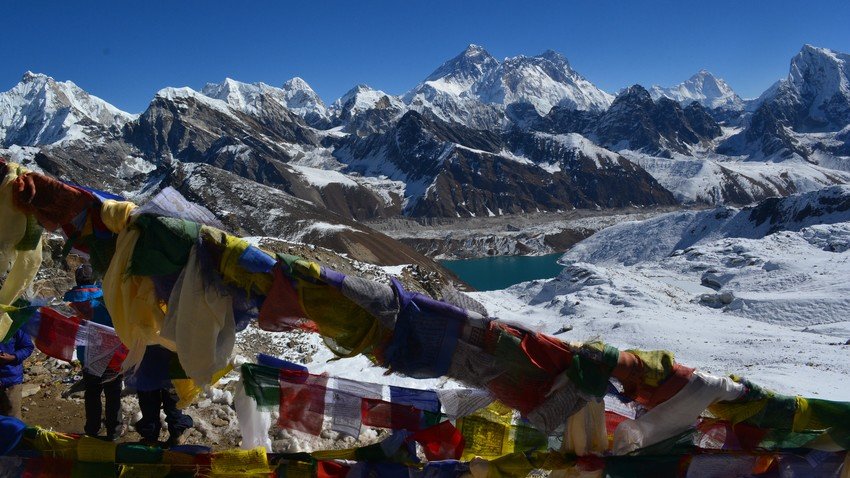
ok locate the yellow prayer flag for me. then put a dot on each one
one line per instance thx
(92, 450)
(234, 462)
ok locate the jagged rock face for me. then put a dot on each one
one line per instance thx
(463, 71)
(452, 170)
(765, 136)
(701, 121)
(447, 92)
(40, 110)
(636, 122)
(794, 213)
(481, 184)
(364, 111)
(192, 128)
(563, 120)
(414, 149)
(815, 97)
(816, 94)
(110, 166)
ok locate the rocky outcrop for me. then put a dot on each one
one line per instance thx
(636, 122)
(452, 170)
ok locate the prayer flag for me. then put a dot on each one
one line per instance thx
(378, 413)
(102, 346)
(344, 407)
(440, 442)
(302, 401)
(57, 334)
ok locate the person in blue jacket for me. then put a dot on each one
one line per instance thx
(86, 298)
(13, 352)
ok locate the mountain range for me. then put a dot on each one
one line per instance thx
(477, 137)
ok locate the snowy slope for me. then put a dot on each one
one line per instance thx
(40, 110)
(732, 298)
(632, 242)
(704, 88)
(716, 179)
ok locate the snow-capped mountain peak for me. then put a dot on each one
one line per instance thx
(820, 72)
(704, 88)
(240, 96)
(302, 99)
(296, 96)
(457, 75)
(544, 81)
(472, 86)
(815, 96)
(363, 97)
(40, 110)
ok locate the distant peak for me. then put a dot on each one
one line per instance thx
(811, 50)
(553, 55)
(474, 53)
(30, 76)
(635, 90)
(171, 92)
(296, 83)
(474, 49)
(704, 76)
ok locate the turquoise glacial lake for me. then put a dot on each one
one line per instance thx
(499, 272)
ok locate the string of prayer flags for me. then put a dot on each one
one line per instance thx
(545, 379)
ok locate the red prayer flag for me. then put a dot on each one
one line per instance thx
(378, 413)
(331, 469)
(302, 401)
(57, 334)
(441, 442)
(281, 310)
(547, 353)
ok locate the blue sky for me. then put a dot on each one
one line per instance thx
(125, 51)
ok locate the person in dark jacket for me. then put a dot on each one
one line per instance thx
(87, 300)
(12, 355)
(155, 391)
